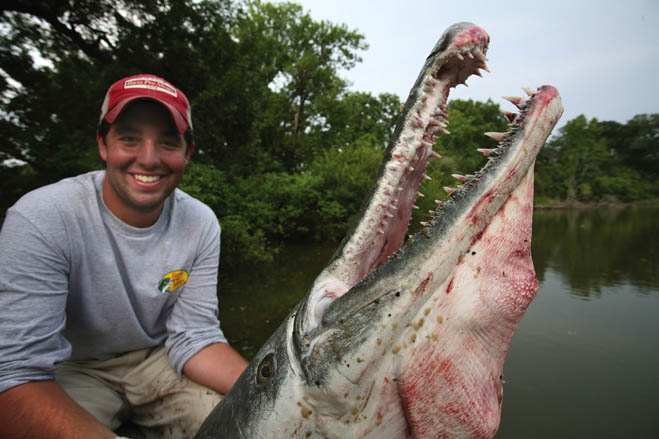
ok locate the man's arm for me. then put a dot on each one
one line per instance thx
(216, 366)
(43, 409)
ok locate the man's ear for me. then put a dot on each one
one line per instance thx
(189, 152)
(102, 147)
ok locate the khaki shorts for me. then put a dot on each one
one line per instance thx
(142, 387)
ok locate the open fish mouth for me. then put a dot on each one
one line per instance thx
(447, 304)
(408, 341)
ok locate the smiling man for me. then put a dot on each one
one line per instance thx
(108, 303)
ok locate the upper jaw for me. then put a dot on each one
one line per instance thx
(387, 210)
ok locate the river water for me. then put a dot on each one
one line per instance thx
(584, 362)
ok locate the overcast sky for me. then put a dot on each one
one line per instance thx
(603, 56)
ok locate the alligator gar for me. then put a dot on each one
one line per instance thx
(409, 341)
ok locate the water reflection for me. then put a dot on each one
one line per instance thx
(577, 367)
(597, 248)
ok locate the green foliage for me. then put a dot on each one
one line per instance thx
(467, 122)
(591, 161)
(284, 151)
(347, 174)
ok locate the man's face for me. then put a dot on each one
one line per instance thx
(145, 157)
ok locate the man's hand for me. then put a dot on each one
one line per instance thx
(217, 366)
(43, 409)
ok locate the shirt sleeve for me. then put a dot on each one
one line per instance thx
(193, 323)
(33, 294)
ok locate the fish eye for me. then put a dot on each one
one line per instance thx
(266, 369)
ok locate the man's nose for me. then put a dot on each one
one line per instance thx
(148, 155)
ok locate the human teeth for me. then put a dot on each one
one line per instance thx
(147, 178)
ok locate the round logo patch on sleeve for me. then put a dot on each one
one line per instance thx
(172, 280)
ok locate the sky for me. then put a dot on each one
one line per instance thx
(601, 55)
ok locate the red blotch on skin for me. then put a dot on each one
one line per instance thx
(450, 286)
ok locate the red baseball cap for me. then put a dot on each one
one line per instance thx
(146, 86)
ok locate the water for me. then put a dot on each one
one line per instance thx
(584, 362)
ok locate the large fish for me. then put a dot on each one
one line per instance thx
(409, 342)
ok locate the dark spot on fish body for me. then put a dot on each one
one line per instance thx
(304, 411)
(397, 293)
(337, 351)
(450, 286)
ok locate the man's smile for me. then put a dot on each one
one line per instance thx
(147, 178)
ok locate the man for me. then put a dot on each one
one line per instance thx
(108, 306)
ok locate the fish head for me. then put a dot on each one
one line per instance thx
(409, 340)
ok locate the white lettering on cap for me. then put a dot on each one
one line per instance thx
(151, 84)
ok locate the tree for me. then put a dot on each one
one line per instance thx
(579, 155)
(58, 59)
(301, 59)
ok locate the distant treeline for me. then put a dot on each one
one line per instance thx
(284, 150)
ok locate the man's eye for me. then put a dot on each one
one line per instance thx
(170, 143)
(129, 139)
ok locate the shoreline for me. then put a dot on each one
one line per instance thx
(596, 205)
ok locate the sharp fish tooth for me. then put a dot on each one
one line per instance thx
(485, 151)
(459, 177)
(509, 114)
(427, 177)
(459, 56)
(528, 91)
(486, 68)
(439, 202)
(515, 100)
(449, 190)
(496, 136)
(433, 154)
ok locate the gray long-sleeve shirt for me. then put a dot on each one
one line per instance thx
(78, 283)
